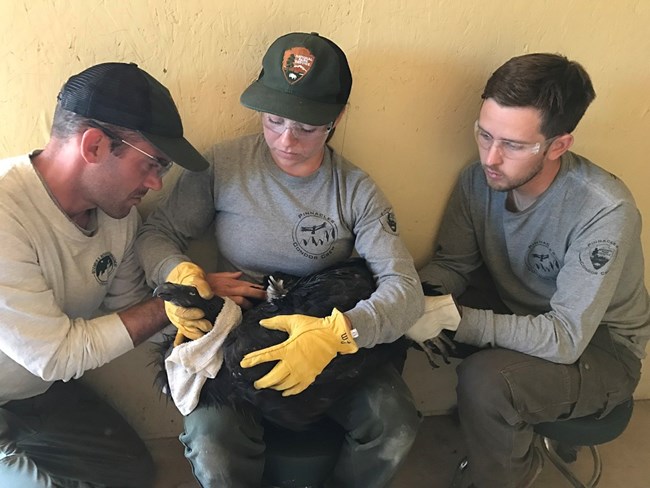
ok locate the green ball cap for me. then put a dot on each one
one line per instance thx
(305, 77)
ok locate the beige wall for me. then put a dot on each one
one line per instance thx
(418, 66)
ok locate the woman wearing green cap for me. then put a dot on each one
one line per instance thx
(284, 200)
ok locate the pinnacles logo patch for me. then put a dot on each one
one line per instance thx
(315, 235)
(104, 266)
(542, 260)
(296, 63)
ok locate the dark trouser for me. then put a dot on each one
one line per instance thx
(503, 393)
(68, 437)
(225, 447)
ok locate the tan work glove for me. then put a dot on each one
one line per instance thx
(189, 321)
(313, 342)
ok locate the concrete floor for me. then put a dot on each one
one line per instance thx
(438, 449)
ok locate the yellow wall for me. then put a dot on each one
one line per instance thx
(418, 67)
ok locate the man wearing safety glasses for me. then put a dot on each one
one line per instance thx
(73, 295)
(560, 239)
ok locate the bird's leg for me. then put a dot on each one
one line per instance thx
(440, 345)
(429, 353)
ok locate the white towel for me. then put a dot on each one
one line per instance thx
(440, 312)
(190, 364)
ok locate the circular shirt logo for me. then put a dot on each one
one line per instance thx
(105, 265)
(314, 235)
(542, 261)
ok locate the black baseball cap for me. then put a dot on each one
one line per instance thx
(122, 94)
(305, 77)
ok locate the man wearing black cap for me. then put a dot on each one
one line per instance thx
(73, 295)
(285, 201)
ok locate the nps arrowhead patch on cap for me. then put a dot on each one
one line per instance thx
(304, 77)
(296, 63)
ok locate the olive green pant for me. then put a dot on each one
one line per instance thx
(503, 393)
(226, 448)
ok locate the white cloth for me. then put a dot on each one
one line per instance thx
(190, 364)
(440, 312)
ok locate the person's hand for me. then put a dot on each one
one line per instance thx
(313, 342)
(228, 284)
(190, 322)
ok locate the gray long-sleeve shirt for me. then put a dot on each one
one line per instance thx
(567, 264)
(267, 221)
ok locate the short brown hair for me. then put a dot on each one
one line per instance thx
(560, 89)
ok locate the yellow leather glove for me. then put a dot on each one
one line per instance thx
(313, 342)
(189, 321)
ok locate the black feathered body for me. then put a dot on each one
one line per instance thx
(341, 287)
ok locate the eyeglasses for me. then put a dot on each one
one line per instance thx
(509, 149)
(161, 166)
(300, 131)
